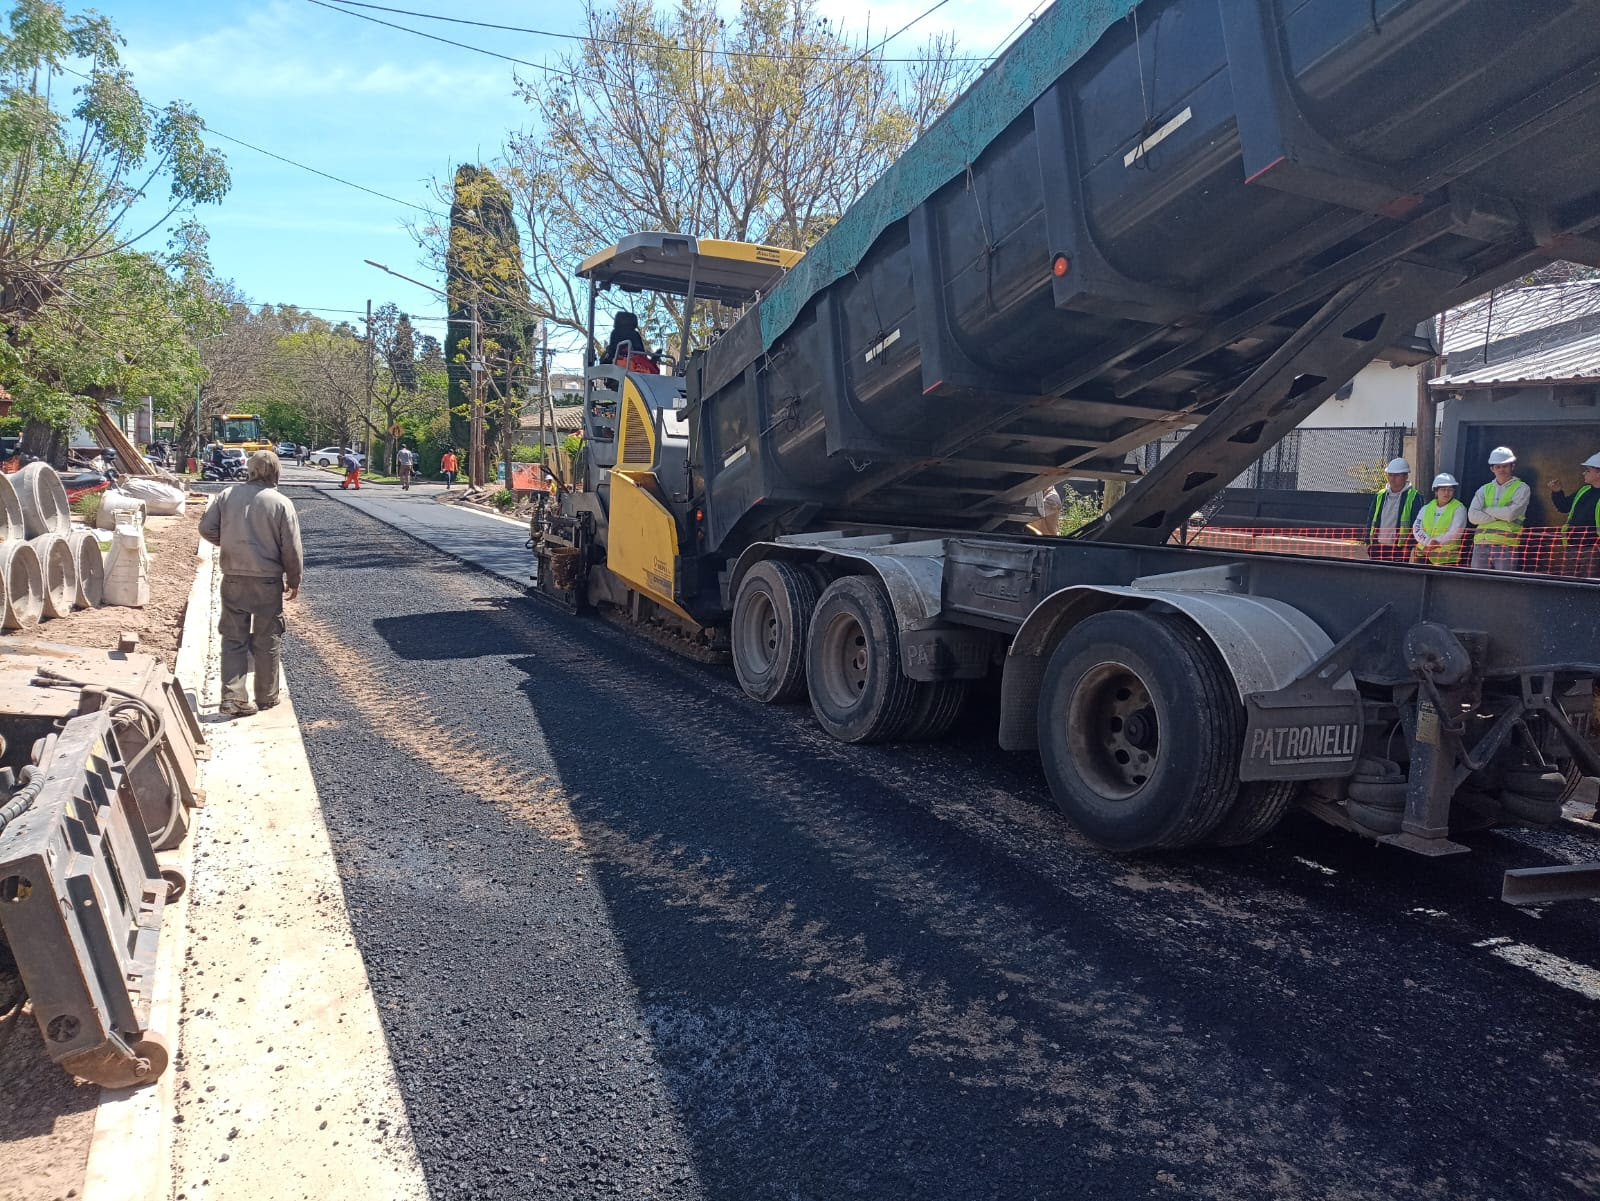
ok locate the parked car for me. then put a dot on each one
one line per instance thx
(329, 456)
(286, 450)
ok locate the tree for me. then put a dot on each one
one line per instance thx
(82, 315)
(68, 180)
(764, 127)
(399, 393)
(484, 274)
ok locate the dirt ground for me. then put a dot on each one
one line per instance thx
(172, 542)
(46, 1116)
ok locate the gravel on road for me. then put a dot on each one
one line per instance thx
(633, 935)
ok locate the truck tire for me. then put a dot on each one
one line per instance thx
(1259, 807)
(936, 708)
(858, 691)
(771, 615)
(1140, 731)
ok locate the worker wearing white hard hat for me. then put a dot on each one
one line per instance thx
(1498, 510)
(1389, 530)
(1440, 525)
(1579, 540)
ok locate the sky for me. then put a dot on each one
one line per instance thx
(386, 110)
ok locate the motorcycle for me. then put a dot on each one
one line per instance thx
(227, 473)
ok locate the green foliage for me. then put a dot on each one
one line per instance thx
(527, 454)
(754, 120)
(1077, 510)
(503, 499)
(87, 507)
(83, 316)
(572, 444)
(483, 266)
(72, 176)
(1369, 477)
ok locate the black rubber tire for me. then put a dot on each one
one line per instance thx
(1259, 807)
(1535, 784)
(1541, 811)
(1388, 794)
(936, 708)
(771, 615)
(1197, 721)
(858, 692)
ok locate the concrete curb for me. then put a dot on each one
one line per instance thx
(130, 1154)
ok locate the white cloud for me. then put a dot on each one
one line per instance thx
(291, 52)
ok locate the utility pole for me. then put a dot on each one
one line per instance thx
(370, 370)
(475, 463)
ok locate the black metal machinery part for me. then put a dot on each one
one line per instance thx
(81, 897)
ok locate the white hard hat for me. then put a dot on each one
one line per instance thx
(1445, 480)
(1398, 467)
(1502, 454)
(1592, 461)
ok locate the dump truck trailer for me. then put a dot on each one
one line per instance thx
(1180, 215)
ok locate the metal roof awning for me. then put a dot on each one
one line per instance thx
(731, 272)
(1573, 362)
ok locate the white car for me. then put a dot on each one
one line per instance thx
(330, 456)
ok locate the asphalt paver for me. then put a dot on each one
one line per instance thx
(633, 935)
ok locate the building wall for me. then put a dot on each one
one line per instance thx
(1380, 395)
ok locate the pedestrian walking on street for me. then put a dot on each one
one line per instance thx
(1393, 507)
(262, 561)
(1498, 510)
(406, 459)
(1580, 534)
(448, 466)
(352, 471)
(303, 453)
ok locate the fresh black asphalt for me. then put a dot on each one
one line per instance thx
(632, 935)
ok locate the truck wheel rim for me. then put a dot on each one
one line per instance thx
(758, 633)
(846, 661)
(1113, 731)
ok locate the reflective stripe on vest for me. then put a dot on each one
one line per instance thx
(1573, 511)
(1408, 502)
(1435, 523)
(1500, 533)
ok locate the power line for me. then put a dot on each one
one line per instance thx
(325, 175)
(154, 109)
(579, 37)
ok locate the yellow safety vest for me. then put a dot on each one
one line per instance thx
(1500, 533)
(1566, 525)
(1436, 522)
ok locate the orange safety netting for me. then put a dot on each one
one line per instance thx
(1546, 550)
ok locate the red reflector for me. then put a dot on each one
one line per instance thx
(1060, 266)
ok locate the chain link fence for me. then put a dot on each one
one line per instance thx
(1309, 460)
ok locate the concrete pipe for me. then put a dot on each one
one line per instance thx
(11, 523)
(91, 568)
(24, 585)
(60, 568)
(44, 501)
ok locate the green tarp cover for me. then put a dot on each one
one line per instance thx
(1060, 37)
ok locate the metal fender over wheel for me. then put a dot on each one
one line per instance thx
(771, 615)
(1140, 730)
(858, 691)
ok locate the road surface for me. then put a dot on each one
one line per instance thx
(634, 936)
